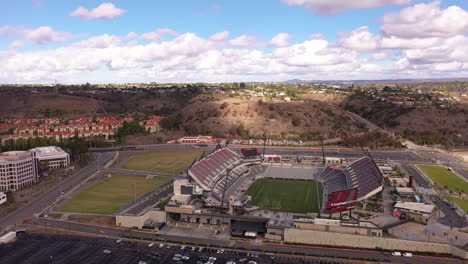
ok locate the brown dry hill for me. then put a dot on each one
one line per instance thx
(231, 116)
(424, 125)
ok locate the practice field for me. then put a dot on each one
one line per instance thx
(445, 178)
(111, 194)
(461, 202)
(169, 162)
(286, 195)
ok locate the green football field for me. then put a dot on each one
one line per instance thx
(461, 202)
(111, 194)
(445, 178)
(286, 195)
(168, 162)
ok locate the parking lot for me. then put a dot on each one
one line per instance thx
(48, 248)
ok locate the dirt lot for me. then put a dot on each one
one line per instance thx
(93, 219)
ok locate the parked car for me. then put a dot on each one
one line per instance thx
(396, 253)
(106, 251)
(407, 254)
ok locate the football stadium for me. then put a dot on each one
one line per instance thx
(254, 195)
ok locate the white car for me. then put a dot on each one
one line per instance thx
(407, 254)
(396, 253)
(150, 244)
(106, 251)
(161, 245)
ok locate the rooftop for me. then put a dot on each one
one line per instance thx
(417, 207)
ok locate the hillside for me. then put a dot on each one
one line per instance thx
(233, 116)
(27, 104)
(423, 125)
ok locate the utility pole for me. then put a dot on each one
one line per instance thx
(323, 150)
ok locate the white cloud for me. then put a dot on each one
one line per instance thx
(246, 41)
(106, 11)
(330, 7)
(280, 40)
(221, 36)
(131, 35)
(426, 20)
(158, 34)
(359, 40)
(99, 42)
(317, 36)
(40, 36)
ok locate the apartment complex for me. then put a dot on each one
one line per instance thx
(19, 169)
(63, 129)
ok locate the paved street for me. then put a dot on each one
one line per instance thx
(47, 198)
(396, 155)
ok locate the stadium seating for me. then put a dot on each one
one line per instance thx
(208, 171)
(334, 179)
(363, 174)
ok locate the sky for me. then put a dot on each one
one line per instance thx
(133, 41)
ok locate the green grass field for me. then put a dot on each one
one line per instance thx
(445, 178)
(461, 202)
(111, 194)
(169, 162)
(286, 195)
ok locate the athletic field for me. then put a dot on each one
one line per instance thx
(445, 178)
(461, 202)
(169, 162)
(111, 194)
(286, 195)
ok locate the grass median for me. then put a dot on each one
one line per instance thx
(445, 178)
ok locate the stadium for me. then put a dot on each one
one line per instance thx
(250, 194)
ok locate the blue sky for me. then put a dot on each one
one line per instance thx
(260, 19)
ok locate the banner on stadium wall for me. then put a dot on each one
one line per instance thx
(341, 201)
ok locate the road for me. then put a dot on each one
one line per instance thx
(396, 155)
(253, 245)
(145, 173)
(43, 201)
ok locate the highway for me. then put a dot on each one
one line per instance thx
(43, 201)
(396, 155)
(253, 245)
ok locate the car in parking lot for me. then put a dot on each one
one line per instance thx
(396, 254)
(106, 251)
(408, 255)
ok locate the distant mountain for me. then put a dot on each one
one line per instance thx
(296, 81)
(379, 81)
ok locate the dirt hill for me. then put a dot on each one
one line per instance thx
(424, 125)
(232, 116)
